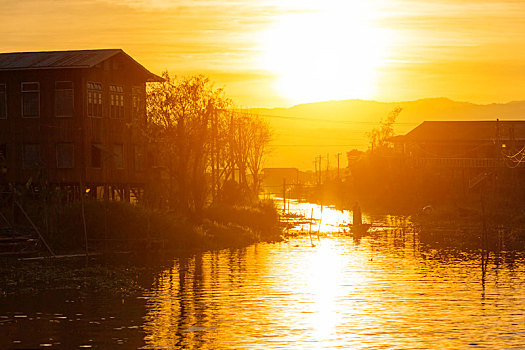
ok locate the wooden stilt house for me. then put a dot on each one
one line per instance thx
(74, 118)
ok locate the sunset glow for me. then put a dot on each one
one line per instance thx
(325, 52)
(269, 53)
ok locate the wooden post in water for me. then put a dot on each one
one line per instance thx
(310, 230)
(84, 226)
(320, 220)
(484, 245)
(284, 196)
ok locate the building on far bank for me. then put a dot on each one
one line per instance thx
(72, 117)
(274, 177)
(466, 152)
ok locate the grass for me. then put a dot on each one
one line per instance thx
(121, 226)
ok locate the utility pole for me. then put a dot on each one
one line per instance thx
(315, 167)
(320, 171)
(328, 166)
(338, 176)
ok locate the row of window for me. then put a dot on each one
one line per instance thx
(64, 100)
(65, 155)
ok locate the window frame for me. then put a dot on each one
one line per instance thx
(72, 98)
(24, 159)
(117, 106)
(22, 91)
(97, 93)
(137, 103)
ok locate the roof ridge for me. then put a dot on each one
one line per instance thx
(57, 51)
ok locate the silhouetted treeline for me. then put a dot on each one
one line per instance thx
(206, 150)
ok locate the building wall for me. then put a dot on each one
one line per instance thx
(81, 130)
(45, 130)
(108, 131)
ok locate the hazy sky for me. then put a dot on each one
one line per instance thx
(278, 53)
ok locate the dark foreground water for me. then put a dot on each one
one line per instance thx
(385, 291)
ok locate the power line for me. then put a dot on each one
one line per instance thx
(276, 116)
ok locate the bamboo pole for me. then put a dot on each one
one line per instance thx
(84, 226)
(310, 230)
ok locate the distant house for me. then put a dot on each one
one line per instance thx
(466, 152)
(462, 144)
(71, 117)
(274, 177)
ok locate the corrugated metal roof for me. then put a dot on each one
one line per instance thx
(432, 131)
(65, 60)
(55, 59)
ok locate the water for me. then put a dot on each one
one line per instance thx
(383, 291)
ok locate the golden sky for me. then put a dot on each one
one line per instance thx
(279, 53)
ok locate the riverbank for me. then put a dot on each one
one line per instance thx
(125, 239)
(112, 226)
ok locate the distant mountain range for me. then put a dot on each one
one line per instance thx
(305, 131)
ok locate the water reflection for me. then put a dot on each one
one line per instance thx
(387, 291)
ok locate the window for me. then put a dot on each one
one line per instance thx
(65, 155)
(30, 100)
(64, 98)
(116, 94)
(118, 154)
(31, 155)
(139, 157)
(94, 105)
(96, 156)
(3, 101)
(137, 107)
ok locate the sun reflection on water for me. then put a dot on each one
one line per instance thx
(384, 292)
(324, 269)
(326, 219)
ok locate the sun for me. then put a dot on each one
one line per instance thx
(327, 51)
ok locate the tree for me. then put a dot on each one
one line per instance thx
(193, 127)
(249, 142)
(180, 114)
(379, 137)
(260, 137)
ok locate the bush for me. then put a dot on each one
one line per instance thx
(262, 218)
(124, 225)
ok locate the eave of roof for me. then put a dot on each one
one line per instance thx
(467, 131)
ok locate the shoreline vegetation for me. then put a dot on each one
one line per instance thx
(136, 241)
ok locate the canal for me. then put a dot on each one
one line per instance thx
(326, 290)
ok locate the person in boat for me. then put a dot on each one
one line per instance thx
(357, 217)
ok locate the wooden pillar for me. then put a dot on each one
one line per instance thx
(125, 190)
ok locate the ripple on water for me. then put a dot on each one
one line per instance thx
(383, 291)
